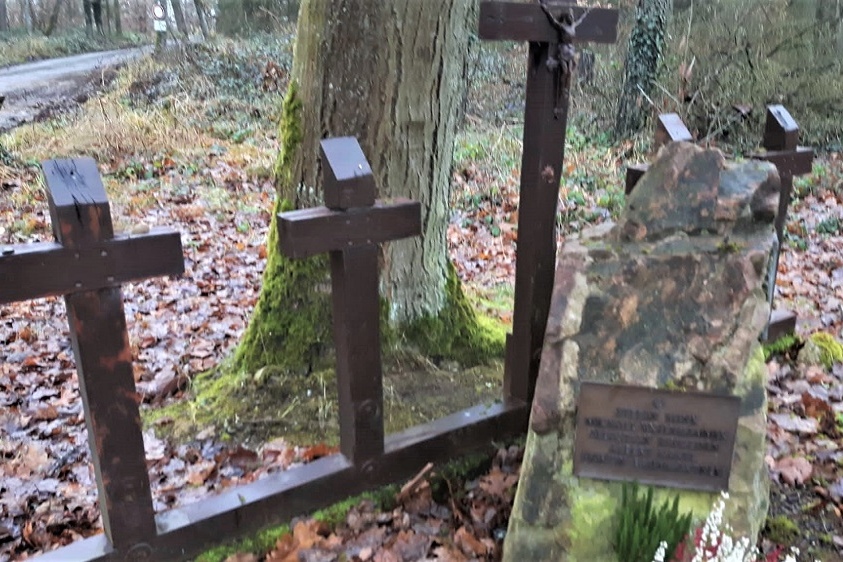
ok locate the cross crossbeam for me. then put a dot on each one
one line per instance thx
(350, 232)
(545, 122)
(87, 264)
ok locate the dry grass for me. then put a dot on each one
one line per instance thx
(109, 127)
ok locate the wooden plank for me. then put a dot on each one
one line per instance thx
(40, 270)
(541, 169)
(103, 360)
(670, 128)
(309, 232)
(782, 323)
(356, 311)
(243, 510)
(514, 21)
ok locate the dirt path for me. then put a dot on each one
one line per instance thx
(37, 88)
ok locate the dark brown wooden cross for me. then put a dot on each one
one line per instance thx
(350, 226)
(87, 264)
(669, 128)
(545, 122)
(781, 144)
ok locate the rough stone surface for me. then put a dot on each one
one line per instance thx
(673, 296)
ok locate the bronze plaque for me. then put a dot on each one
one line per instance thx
(653, 436)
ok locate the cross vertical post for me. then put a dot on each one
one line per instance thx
(545, 122)
(781, 144)
(349, 227)
(86, 264)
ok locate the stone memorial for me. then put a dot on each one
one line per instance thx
(652, 370)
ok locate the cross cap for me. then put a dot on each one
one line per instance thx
(671, 128)
(781, 132)
(78, 203)
(347, 176)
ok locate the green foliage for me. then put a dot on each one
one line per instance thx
(781, 346)
(781, 530)
(641, 527)
(831, 351)
(16, 48)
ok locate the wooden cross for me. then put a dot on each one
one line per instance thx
(545, 122)
(350, 227)
(87, 264)
(669, 128)
(781, 144)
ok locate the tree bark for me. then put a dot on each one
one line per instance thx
(389, 72)
(201, 15)
(118, 18)
(28, 14)
(4, 16)
(642, 62)
(178, 14)
(88, 10)
(54, 18)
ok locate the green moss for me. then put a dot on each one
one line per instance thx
(831, 351)
(781, 346)
(291, 135)
(458, 333)
(781, 530)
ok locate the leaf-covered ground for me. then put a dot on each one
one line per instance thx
(218, 194)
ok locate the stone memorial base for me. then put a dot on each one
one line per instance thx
(673, 297)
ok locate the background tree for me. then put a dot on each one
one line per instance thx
(178, 14)
(644, 52)
(4, 16)
(389, 72)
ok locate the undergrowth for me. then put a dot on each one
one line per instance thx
(19, 47)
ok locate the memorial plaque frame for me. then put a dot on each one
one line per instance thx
(680, 439)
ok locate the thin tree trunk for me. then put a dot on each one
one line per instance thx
(107, 19)
(389, 72)
(178, 14)
(4, 16)
(27, 12)
(54, 18)
(88, 10)
(118, 19)
(642, 62)
(200, 15)
(96, 8)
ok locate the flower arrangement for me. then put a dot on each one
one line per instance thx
(713, 544)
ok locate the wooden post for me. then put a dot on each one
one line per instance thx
(545, 121)
(669, 128)
(350, 227)
(87, 264)
(781, 144)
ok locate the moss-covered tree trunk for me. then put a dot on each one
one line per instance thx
(646, 44)
(389, 72)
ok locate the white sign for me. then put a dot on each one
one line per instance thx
(159, 25)
(158, 12)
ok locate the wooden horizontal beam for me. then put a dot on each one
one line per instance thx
(790, 162)
(187, 531)
(48, 269)
(309, 232)
(514, 21)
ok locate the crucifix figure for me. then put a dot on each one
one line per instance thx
(552, 31)
(349, 227)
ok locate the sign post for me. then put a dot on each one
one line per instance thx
(159, 24)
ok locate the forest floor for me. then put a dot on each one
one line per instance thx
(194, 151)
